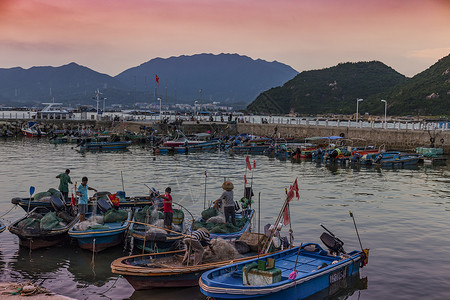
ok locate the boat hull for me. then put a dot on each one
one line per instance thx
(100, 243)
(312, 277)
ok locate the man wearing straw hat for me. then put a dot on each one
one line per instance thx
(227, 201)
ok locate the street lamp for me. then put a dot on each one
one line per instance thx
(195, 109)
(385, 112)
(357, 114)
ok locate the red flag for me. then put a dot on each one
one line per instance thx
(72, 201)
(114, 199)
(157, 79)
(245, 178)
(247, 161)
(290, 194)
(286, 215)
(295, 188)
(254, 164)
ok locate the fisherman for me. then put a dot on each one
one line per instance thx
(168, 212)
(226, 200)
(83, 198)
(336, 152)
(64, 180)
(193, 244)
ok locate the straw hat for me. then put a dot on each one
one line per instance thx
(227, 186)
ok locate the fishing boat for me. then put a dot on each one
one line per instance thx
(245, 214)
(32, 129)
(2, 226)
(126, 202)
(401, 160)
(44, 228)
(104, 146)
(152, 237)
(146, 271)
(180, 140)
(295, 273)
(98, 238)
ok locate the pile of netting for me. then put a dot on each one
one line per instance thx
(222, 250)
(115, 216)
(93, 222)
(40, 223)
(98, 222)
(148, 215)
(215, 223)
(46, 196)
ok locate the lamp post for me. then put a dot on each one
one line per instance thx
(195, 110)
(385, 112)
(357, 113)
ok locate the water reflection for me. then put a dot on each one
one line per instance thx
(342, 289)
(31, 263)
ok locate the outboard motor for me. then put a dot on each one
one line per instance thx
(103, 205)
(334, 244)
(57, 203)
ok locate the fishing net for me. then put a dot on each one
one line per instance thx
(54, 192)
(50, 221)
(65, 216)
(221, 227)
(221, 250)
(96, 227)
(86, 225)
(38, 196)
(208, 213)
(115, 216)
(146, 215)
(28, 223)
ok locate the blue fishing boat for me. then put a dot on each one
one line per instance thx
(105, 146)
(401, 160)
(98, 238)
(222, 230)
(248, 215)
(2, 227)
(295, 273)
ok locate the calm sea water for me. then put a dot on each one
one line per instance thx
(402, 214)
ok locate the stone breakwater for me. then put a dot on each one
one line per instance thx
(399, 139)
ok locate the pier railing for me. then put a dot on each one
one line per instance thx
(391, 124)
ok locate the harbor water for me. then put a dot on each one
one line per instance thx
(402, 214)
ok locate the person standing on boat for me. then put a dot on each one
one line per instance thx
(194, 245)
(64, 180)
(168, 212)
(226, 199)
(83, 198)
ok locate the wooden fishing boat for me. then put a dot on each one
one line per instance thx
(142, 272)
(105, 146)
(35, 235)
(128, 202)
(2, 227)
(297, 273)
(97, 240)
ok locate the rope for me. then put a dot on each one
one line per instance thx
(8, 211)
(93, 258)
(102, 293)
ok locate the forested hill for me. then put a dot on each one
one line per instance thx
(331, 90)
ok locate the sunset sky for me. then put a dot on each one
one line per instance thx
(110, 36)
